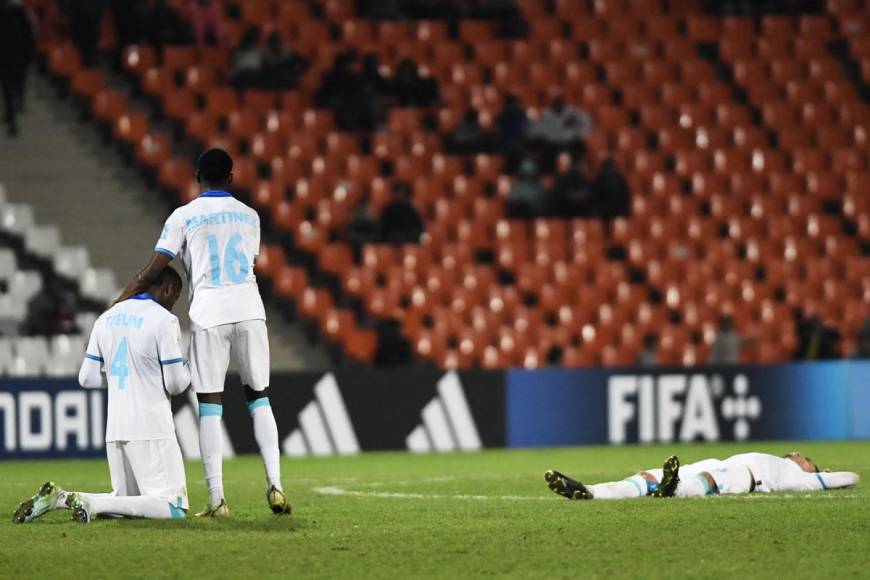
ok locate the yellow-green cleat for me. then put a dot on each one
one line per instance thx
(278, 501)
(219, 511)
(670, 478)
(43, 502)
(565, 486)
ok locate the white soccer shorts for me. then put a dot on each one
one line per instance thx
(210, 350)
(733, 477)
(152, 467)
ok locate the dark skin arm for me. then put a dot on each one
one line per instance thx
(146, 277)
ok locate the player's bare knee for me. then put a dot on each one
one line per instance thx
(211, 398)
(709, 477)
(648, 476)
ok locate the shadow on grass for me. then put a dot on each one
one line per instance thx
(266, 523)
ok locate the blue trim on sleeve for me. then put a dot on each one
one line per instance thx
(165, 251)
(171, 361)
(211, 410)
(257, 403)
(94, 357)
(822, 481)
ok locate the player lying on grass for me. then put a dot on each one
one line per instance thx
(218, 239)
(743, 473)
(135, 352)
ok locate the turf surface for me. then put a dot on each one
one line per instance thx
(458, 515)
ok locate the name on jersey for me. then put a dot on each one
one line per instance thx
(122, 319)
(220, 218)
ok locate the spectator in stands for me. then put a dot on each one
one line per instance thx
(247, 60)
(208, 23)
(84, 18)
(400, 221)
(51, 311)
(393, 348)
(354, 103)
(282, 67)
(560, 128)
(527, 198)
(648, 356)
(17, 47)
(337, 82)
(863, 350)
(728, 344)
(511, 126)
(164, 27)
(572, 194)
(370, 74)
(610, 189)
(412, 89)
(377, 88)
(468, 136)
(816, 340)
(363, 225)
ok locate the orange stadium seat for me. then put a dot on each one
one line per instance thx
(725, 189)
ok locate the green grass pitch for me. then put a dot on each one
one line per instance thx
(453, 516)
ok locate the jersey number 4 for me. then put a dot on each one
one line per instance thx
(118, 367)
(235, 263)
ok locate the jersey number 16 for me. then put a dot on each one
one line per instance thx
(235, 263)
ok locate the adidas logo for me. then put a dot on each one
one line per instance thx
(187, 430)
(324, 425)
(447, 421)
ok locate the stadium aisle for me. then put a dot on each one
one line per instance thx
(71, 180)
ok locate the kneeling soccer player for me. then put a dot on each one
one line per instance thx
(135, 351)
(743, 473)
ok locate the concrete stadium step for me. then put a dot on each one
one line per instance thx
(61, 168)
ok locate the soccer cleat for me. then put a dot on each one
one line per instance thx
(670, 478)
(565, 486)
(278, 501)
(81, 511)
(44, 501)
(219, 511)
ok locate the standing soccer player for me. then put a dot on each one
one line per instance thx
(218, 239)
(135, 352)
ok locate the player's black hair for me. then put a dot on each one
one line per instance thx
(169, 275)
(214, 166)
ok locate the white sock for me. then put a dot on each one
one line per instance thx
(266, 434)
(634, 486)
(152, 507)
(60, 504)
(211, 450)
(692, 487)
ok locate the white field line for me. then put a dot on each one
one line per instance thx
(333, 490)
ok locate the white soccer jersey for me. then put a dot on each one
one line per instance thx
(135, 350)
(771, 473)
(218, 239)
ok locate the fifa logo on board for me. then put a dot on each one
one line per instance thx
(668, 408)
